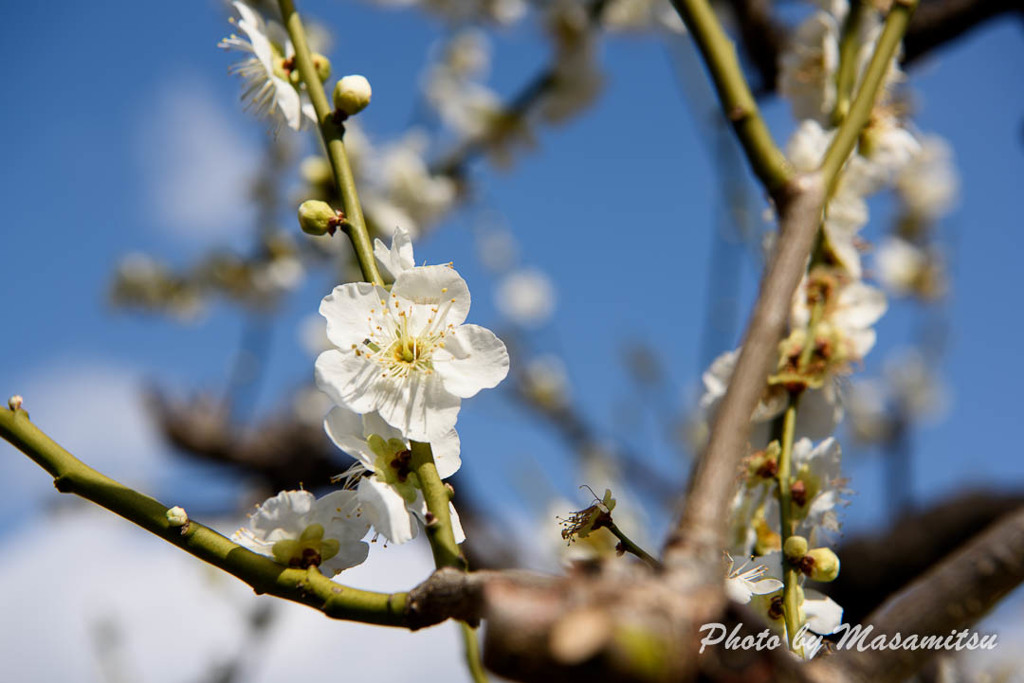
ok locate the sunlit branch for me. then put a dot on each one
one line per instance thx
(332, 133)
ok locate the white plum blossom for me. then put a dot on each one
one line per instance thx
(526, 297)
(900, 265)
(388, 491)
(928, 183)
(818, 489)
(743, 583)
(820, 613)
(402, 175)
(267, 91)
(856, 308)
(406, 353)
(397, 258)
(820, 409)
(807, 69)
(299, 530)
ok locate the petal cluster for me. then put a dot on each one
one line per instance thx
(299, 530)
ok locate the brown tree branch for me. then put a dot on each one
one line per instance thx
(950, 597)
(939, 22)
(702, 525)
(878, 565)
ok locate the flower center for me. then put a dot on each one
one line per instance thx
(402, 351)
(393, 465)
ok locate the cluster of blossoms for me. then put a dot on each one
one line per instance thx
(256, 281)
(830, 323)
(402, 362)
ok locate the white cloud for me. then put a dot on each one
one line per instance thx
(85, 565)
(93, 408)
(197, 164)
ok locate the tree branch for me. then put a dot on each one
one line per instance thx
(938, 22)
(738, 105)
(440, 597)
(332, 133)
(702, 525)
(952, 596)
(878, 566)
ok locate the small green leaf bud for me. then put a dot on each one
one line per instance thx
(352, 94)
(826, 565)
(796, 547)
(322, 66)
(317, 217)
(177, 516)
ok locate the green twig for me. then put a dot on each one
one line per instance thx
(627, 544)
(849, 48)
(473, 661)
(738, 104)
(305, 586)
(439, 522)
(333, 133)
(791, 576)
(860, 111)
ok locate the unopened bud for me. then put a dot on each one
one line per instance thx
(177, 516)
(352, 94)
(14, 402)
(796, 547)
(317, 217)
(322, 66)
(826, 565)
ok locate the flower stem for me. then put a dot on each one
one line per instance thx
(629, 546)
(305, 586)
(846, 74)
(333, 136)
(791, 576)
(439, 525)
(738, 104)
(473, 661)
(860, 111)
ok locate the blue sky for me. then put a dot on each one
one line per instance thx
(103, 158)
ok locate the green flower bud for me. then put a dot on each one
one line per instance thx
(796, 547)
(322, 66)
(352, 94)
(317, 217)
(826, 565)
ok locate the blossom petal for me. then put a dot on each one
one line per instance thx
(460, 535)
(446, 454)
(340, 515)
(476, 359)
(282, 516)
(399, 257)
(438, 294)
(351, 381)
(420, 407)
(859, 306)
(350, 553)
(373, 424)
(824, 615)
(345, 429)
(352, 311)
(386, 510)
